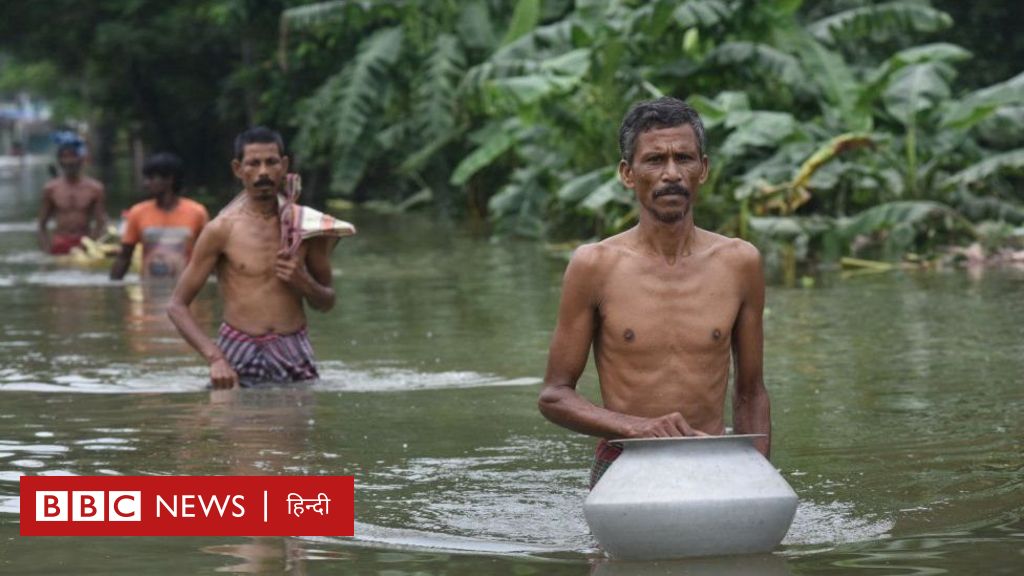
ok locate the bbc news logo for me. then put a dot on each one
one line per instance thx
(88, 506)
(186, 505)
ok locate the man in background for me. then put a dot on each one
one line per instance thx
(167, 224)
(74, 201)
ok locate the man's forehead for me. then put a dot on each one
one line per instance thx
(260, 150)
(666, 136)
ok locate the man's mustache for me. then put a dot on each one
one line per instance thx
(672, 190)
(264, 182)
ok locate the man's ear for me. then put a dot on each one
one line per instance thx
(705, 167)
(236, 168)
(285, 162)
(626, 174)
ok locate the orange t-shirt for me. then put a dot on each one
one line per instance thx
(167, 237)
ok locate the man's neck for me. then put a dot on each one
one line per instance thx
(167, 201)
(261, 208)
(72, 179)
(670, 240)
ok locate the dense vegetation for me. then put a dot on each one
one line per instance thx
(834, 126)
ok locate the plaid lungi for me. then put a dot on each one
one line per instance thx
(604, 456)
(269, 358)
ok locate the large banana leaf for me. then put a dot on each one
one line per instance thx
(554, 76)
(611, 191)
(703, 13)
(978, 105)
(337, 115)
(879, 22)
(496, 139)
(583, 185)
(835, 82)
(768, 60)
(524, 20)
(437, 92)
(917, 88)
(978, 172)
(715, 111)
(1004, 129)
(756, 129)
(896, 214)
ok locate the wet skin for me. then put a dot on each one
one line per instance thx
(264, 290)
(665, 307)
(73, 201)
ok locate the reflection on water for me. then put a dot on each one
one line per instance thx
(753, 565)
(896, 404)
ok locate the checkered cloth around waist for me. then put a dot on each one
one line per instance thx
(604, 456)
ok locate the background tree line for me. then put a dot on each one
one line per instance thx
(834, 125)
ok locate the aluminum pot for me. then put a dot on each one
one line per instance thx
(696, 496)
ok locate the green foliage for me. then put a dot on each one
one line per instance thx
(497, 139)
(524, 19)
(827, 127)
(341, 114)
(879, 22)
(1012, 161)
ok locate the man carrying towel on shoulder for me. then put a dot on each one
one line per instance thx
(665, 306)
(263, 337)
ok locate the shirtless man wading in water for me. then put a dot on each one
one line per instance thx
(263, 337)
(665, 306)
(73, 200)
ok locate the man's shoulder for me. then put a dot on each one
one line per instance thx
(222, 221)
(729, 245)
(190, 205)
(736, 252)
(92, 184)
(598, 258)
(141, 208)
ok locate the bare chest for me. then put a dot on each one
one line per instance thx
(677, 312)
(76, 198)
(251, 252)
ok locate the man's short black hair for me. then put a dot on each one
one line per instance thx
(257, 135)
(664, 112)
(167, 165)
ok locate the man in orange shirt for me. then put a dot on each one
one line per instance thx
(167, 225)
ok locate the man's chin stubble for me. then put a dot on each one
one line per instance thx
(667, 217)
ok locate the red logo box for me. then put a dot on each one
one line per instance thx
(186, 505)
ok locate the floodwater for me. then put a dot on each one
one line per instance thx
(897, 403)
